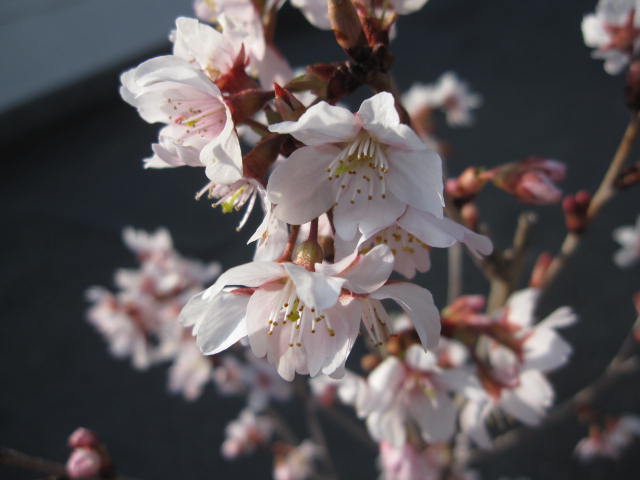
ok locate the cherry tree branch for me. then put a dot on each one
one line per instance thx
(604, 193)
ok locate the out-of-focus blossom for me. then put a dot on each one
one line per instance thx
(610, 441)
(513, 355)
(245, 434)
(410, 463)
(296, 463)
(140, 319)
(449, 94)
(367, 167)
(410, 391)
(190, 371)
(614, 31)
(531, 180)
(628, 237)
(89, 457)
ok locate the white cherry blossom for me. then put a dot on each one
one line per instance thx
(628, 237)
(305, 321)
(367, 167)
(614, 31)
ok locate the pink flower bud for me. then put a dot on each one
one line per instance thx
(83, 463)
(540, 270)
(83, 437)
(532, 180)
(575, 209)
(468, 184)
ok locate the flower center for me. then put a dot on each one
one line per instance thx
(232, 197)
(200, 117)
(290, 311)
(360, 167)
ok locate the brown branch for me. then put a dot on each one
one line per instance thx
(603, 194)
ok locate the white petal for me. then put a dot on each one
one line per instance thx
(251, 274)
(299, 185)
(364, 273)
(418, 303)
(418, 359)
(529, 401)
(436, 416)
(259, 307)
(314, 289)
(222, 155)
(521, 306)
(218, 322)
(416, 179)
(472, 420)
(321, 124)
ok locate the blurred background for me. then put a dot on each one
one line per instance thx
(73, 179)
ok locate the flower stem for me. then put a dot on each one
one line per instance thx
(603, 194)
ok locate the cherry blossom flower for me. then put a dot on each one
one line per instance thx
(297, 463)
(412, 236)
(514, 356)
(614, 31)
(628, 237)
(413, 390)
(190, 371)
(610, 441)
(140, 319)
(244, 435)
(367, 167)
(449, 94)
(301, 320)
(410, 462)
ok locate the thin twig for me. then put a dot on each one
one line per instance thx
(9, 456)
(603, 194)
(455, 266)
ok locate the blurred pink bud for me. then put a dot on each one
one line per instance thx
(575, 211)
(470, 215)
(466, 303)
(540, 270)
(468, 184)
(532, 180)
(83, 437)
(83, 463)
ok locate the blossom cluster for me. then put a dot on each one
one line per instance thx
(352, 202)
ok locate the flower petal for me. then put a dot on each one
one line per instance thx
(299, 186)
(252, 274)
(314, 289)
(418, 303)
(321, 124)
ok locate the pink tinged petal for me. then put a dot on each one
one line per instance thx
(273, 67)
(222, 156)
(560, 318)
(530, 400)
(435, 415)
(416, 179)
(380, 118)
(418, 359)
(252, 274)
(472, 422)
(383, 212)
(384, 382)
(321, 124)
(369, 272)
(261, 305)
(387, 425)
(83, 463)
(218, 322)
(418, 304)
(299, 186)
(521, 306)
(346, 313)
(545, 350)
(314, 289)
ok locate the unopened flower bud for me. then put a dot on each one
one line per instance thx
(540, 270)
(246, 103)
(346, 26)
(575, 211)
(83, 463)
(468, 184)
(307, 254)
(632, 86)
(532, 180)
(288, 106)
(83, 437)
(629, 177)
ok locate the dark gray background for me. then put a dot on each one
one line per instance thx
(73, 179)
